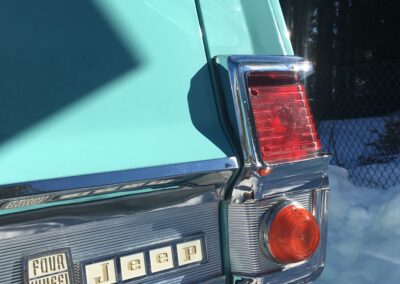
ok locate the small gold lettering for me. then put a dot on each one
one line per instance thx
(134, 265)
(101, 272)
(60, 262)
(62, 278)
(35, 267)
(105, 277)
(162, 257)
(43, 265)
(52, 263)
(189, 251)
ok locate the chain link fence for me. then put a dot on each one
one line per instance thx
(357, 110)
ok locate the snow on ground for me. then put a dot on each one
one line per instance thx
(363, 233)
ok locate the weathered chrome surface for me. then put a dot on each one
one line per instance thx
(38, 194)
(116, 226)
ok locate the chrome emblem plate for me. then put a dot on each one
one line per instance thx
(144, 262)
(51, 267)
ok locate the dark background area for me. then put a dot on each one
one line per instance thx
(355, 47)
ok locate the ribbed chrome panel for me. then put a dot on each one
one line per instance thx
(111, 236)
(244, 221)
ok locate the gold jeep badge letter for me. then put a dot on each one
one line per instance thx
(132, 266)
(101, 272)
(189, 252)
(161, 259)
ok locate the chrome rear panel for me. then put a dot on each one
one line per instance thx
(244, 223)
(100, 238)
(185, 208)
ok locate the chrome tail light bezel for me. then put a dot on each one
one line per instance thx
(282, 181)
(238, 67)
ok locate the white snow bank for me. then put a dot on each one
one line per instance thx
(363, 233)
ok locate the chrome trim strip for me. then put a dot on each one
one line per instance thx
(109, 184)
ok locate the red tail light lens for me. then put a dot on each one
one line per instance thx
(293, 235)
(282, 116)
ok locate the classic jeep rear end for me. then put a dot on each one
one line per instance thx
(156, 142)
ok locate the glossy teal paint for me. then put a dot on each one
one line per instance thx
(128, 92)
(245, 27)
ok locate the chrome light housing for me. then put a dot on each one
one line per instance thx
(264, 187)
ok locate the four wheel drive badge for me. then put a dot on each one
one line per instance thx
(51, 267)
(55, 267)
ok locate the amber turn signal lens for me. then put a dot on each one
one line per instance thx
(293, 235)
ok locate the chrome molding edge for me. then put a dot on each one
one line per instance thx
(39, 194)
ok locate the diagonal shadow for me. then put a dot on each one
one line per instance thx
(204, 109)
(53, 53)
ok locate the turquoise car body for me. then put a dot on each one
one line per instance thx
(136, 99)
(121, 84)
(93, 90)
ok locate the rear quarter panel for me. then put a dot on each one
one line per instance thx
(98, 86)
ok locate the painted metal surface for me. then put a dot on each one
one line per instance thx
(244, 27)
(99, 86)
(153, 106)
